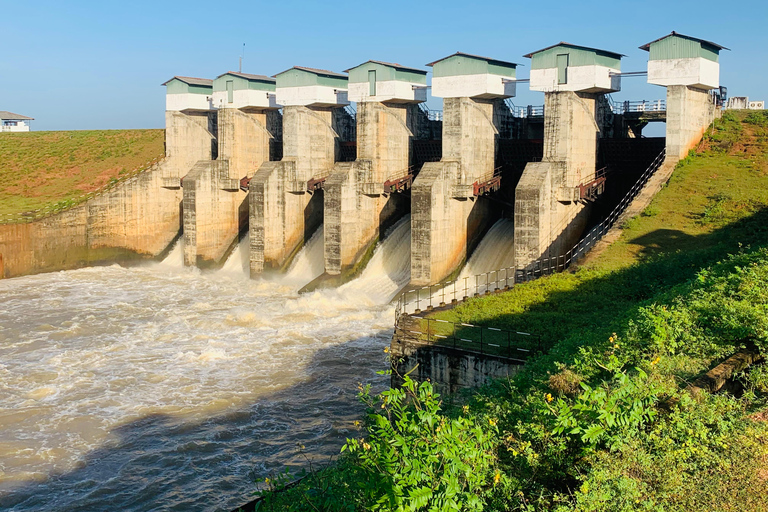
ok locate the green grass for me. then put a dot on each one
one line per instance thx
(41, 169)
(603, 421)
(714, 204)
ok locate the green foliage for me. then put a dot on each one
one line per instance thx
(608, 413)
(419, 459)
(757, 118)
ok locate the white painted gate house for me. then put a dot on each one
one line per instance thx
(10, 122)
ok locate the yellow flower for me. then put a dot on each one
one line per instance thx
(386, 350)
(492, 422)
(465, 409)
(655, 361)
(496, 478)
(356, 423)
(366, 446)
(548, 397)
(437, 429)
(266, 480)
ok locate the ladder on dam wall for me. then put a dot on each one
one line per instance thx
(448, 294)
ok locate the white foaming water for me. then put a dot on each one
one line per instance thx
(494, 252)
(309, 263)
(175, 257)
(389, 269)
(238, 262)
(166, 387)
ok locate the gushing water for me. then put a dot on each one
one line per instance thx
(308, 263)
(163, 387)
(494, 252)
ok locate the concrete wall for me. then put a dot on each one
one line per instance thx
(694, 71)
(187, 141)
(356, 212)
(213, 215)
(689, 112)
(185, 101)
(137, 218)
(283, 214)
(445, 216)
(448, 370)
(548, 216)
(215, 209)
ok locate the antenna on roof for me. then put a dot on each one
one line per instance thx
(241, 59)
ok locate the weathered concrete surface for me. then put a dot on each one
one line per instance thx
(689, 112)
(447, 369)
(215, 209)
(356, 212)
(188, 139)
(283, 214)
(548, 217)
(446, 218)
(137, 218)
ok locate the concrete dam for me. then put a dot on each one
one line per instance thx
(262, 162)
(160, 385)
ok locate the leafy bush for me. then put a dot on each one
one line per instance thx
(418, 459)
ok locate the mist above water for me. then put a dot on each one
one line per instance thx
(173, 388)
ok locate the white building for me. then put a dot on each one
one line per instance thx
(569, 67)
(185, 93)
(10, 122)
(677, 59)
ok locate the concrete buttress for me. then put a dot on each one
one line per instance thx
(447, 220)
(215, 209)
(356, 210)
(283, 213)
(549, 217)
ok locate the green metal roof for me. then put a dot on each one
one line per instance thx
(387, 71)
(679, 46)
(467, 64)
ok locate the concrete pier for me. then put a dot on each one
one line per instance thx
(286, 197)
(550, 215)
(215, 209)
(358, 208)
(447, 218)
(688, 67)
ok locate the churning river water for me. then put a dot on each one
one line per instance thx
(160, 387)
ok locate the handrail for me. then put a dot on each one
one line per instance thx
(438, 295)
(511, 345)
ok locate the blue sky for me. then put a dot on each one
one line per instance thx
(99, 65)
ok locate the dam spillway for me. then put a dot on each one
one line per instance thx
(167, 386)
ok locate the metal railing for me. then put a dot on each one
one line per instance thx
(527, 111)
(441, 294)
(624, 107)
(513, 345)
(432, 115)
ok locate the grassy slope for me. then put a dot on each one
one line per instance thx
(713, 205)
(43, 168)
(677, 312)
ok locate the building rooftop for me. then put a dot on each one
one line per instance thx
(5, 115)
(321, 72)
(391, 65)
(248, 76)
(191, 81)
(487, 59)
(647, 46)
(578, 47)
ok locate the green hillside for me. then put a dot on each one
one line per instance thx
(604, 421)
(41, 169)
